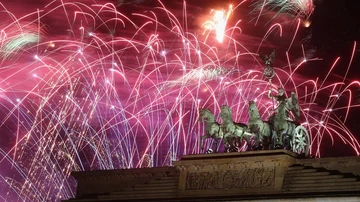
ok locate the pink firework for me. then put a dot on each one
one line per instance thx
(89, 85)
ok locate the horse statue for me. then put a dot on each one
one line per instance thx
(260, 128)
(283, 105)
(283, 127)
(212, 128)
(233, 130)
(292, 104)
(286, 128)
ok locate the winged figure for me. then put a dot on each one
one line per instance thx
(268, 70)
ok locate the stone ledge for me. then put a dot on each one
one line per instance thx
(257, 175)
(261, 153)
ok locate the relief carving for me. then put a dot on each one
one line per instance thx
(241, 165)
(231, 179)
(209, 167)
(258, 164)
(276, 162)
(182, 168)
(195, 167)
(224, 167)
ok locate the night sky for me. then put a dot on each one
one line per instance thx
(334, 26)
(334, 29)
(86, 85)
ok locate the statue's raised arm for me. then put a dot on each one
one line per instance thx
(279, 97)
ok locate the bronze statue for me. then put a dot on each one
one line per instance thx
(282, 128)
(212, 128)
(268, 70)
(279, 97)
(234, 132)
(262, 129)
(279, 131)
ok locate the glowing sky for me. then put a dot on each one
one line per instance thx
(105, 85)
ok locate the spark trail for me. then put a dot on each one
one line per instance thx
(88, 86)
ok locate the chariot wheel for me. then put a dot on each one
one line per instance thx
(301, 141)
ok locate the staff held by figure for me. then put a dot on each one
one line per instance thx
(269, 73)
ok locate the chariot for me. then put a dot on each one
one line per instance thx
(279, 131)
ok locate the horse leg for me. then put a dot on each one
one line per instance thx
(248, 142)
(276, 140)
(232, 144)
(226, 144)
(284, 142)
(216, 141)
(281, 141)
(257, 141)
(265, 143)
(266, 138)
(238, 141)
(202, 138)
(288, 135)
(235, 144)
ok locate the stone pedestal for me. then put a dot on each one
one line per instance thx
(257, 175)
(224, 174)
(97, 182)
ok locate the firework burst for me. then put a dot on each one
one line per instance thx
(297, 8)
(107, 89)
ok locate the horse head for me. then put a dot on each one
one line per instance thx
(225, 113)
(201, 114)
(292, 105)
(253, 110)
(205, 113)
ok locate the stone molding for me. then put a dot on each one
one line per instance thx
(247, 175)
(343, 164)
(106, 181)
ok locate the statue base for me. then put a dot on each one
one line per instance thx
(270, 174)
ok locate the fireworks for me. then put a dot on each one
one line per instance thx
(87, 86)
(298, 8)
(220, 19)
